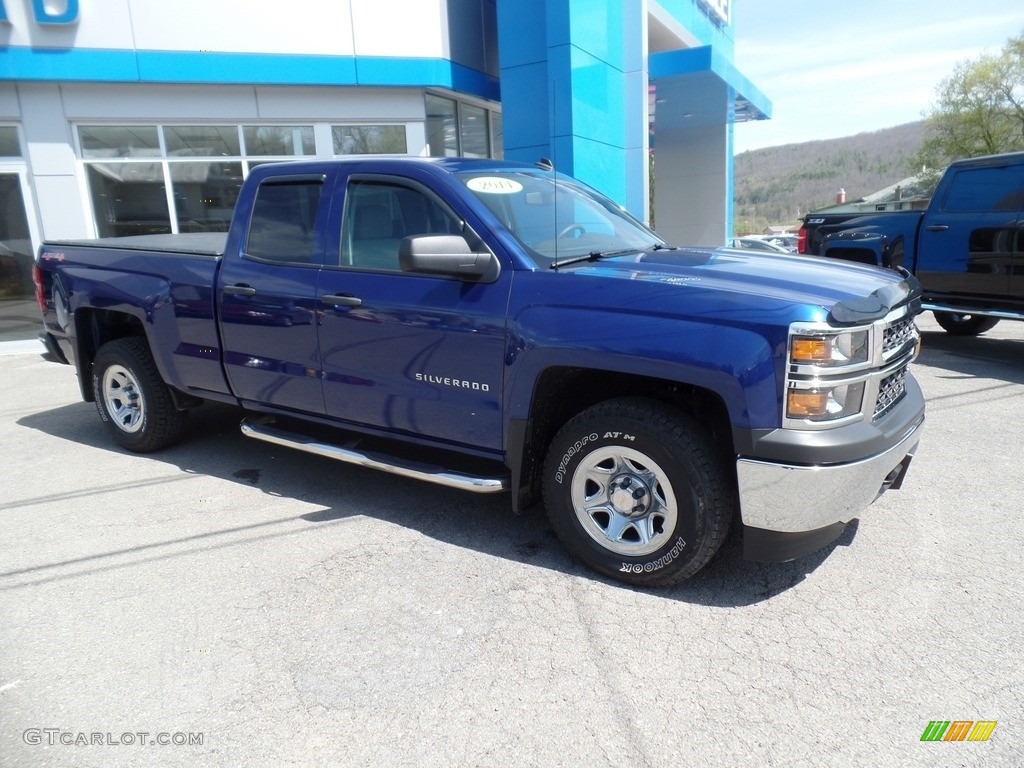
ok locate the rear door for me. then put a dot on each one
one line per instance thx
(267, 296)
(966, 246)
(402, 352)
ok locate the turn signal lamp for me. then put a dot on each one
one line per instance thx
(838, 349)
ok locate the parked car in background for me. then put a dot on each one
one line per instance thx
(788, 242)
(750, 243)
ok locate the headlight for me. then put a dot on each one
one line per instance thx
(850, 348)
(825, 403)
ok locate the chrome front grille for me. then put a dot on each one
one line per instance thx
(891, 390)
(898, 335)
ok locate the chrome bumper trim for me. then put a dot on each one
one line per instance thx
(793, 499)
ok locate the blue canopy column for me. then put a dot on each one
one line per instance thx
(699, 95)
(574, 90)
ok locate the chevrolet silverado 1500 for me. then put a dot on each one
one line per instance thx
(498, 327)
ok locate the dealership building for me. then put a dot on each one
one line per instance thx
(144, 116)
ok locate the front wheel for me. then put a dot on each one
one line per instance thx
(636, 491)
(132, 399)
(964, 324)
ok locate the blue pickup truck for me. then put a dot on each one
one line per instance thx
(499, 327)
(966, 249)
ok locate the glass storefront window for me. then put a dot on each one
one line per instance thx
(265, 140)
(202, 141)
(442, 127)
(128, 198)
(9, 146)
(205, 194)
(459, 129)
(473, 131)
(497, 136)
(19, 315)
(369, 139)
(146, 179)
(119, 141)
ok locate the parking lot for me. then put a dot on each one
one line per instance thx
(256, 606)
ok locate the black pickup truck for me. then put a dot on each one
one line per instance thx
(966, 248)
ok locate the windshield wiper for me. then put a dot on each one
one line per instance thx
(592, 256)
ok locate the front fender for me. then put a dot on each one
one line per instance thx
(738, 364)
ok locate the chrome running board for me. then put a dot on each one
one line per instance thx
(385, 463)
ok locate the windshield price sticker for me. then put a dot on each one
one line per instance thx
(494, 185)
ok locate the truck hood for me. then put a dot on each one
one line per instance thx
(850, 293)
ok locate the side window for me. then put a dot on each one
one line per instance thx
(379, 214)
(978, 190)
(283, 225)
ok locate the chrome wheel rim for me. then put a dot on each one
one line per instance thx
(624, 501)
(123, 398)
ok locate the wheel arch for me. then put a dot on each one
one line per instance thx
(562, 392)
(94, 328)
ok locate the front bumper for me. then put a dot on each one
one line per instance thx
(791, 510)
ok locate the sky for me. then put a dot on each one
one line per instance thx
(834, 69)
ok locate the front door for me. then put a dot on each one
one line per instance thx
(403, 352)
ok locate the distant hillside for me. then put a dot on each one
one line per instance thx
(778, 185)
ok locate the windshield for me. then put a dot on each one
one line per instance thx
(555, 217)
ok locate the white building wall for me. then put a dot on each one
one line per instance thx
(111, 103)
(690, 186)
(9, 110)
(416, 28)
(51, 162)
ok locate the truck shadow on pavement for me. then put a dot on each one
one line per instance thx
(213, 446)
(973, 356)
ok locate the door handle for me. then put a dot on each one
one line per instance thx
(937, 227)
(342, 299)
(239, 290)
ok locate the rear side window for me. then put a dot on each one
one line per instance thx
(999, 188)
(283, 224)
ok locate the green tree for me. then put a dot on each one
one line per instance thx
(978, 110)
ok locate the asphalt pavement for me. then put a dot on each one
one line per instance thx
(230, 603)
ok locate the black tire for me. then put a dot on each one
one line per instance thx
(132, 399)
(659, 463)
(965, 324)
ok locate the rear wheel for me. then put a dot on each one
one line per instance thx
(636, 491)
(132, 399)
(965, 324)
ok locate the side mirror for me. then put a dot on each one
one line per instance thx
(448, 255)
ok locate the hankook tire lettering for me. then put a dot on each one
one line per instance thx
(658, 564)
